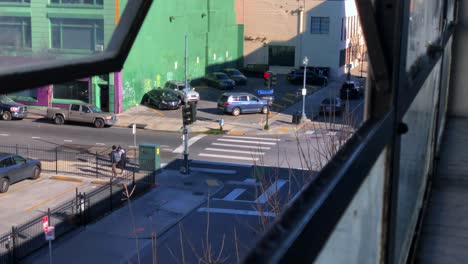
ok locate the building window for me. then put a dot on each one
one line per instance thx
(15, 32)
(77, 2)
(78, 34)
(281, 55)
(25, 95)
(76, 90)
(342, 57)
(15, 1)
(320, 25)
(343, 28)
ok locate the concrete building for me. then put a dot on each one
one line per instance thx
(45, 29)
(282, 32)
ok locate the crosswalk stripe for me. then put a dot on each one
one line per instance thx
(227, 157)
(192, 140)
(247, 141)
(236, 151)
(240, 146)
(259, 138)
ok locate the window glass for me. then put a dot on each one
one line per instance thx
(19, 160)
(281, 55)
(32, 93)
(75, 107)
(243, 98)
(15, 32)
(320, 25)
(5, 163)
(85, 109)
(80, 2)
(253, 98)
(76, 90)
(79, 34)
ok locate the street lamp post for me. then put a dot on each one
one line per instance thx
(304, 91)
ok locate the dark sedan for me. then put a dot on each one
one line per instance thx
(162, 99)
(331, 106)
(236, 76)
(10, 109)
(219, 80)
(14, 168)
(297, 77)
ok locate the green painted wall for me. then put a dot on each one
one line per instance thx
(157, 55)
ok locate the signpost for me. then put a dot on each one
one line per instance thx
(134, 134)
(49, 232)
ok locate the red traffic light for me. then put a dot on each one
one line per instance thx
(266, 75)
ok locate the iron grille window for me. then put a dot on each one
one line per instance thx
(78, 34)
(77, 2)
(15, 32)
(320, 25)
(72, 90)
(281, 55)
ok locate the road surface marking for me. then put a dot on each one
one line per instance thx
(36, 137)
(22, 187)
(163, 165)
(226, 157)
(247, 141)
(54, 197)
(275, 187)
(241, 137)
(101, 144)
(249, 183)
(192, 140)
(68, 140)
(4, 135)
(310, 132)
(220, 163)
(331, 133)
(236, 151)
(167, 149)
(240, 146)
(212, 170)
(234, 194)
(250, 180)
(236, 212)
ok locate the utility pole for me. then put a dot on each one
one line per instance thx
(304, 90)
(185, 129)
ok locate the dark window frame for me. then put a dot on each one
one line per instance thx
(319, 25)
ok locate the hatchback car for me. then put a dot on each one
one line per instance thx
(351, 90)
(331, 106)
(236, 76)
(10, 109)
(297, 77)
(162, 99)
(189, 95)
(239, 103)
(219, 80)
(14, 168)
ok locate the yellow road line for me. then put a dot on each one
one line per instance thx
(287, 100)
(22, 187)
(53, 197)
(291, 94)
(278, 105)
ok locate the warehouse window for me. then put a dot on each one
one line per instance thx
(320, 25)
(79, 34)
(77, 2)
(281, 55)
(15, 32)
(75, 90)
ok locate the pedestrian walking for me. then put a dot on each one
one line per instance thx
(115, 158)
(122, 158)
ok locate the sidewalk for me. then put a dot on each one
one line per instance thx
(112, 239)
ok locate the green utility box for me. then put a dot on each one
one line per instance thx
(150, 157)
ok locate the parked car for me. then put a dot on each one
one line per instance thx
(331, 106)
(239, 103)
(15, 168)
(351, 90)
(296, 76)
(10, 109)
(162, 99)
(255, 70)
(236, 76)
(83, 113)
(219, 80)
(179, 88)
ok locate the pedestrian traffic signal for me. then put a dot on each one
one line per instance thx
(189, 114)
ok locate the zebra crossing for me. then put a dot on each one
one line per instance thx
(229, 147)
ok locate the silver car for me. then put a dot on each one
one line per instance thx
(189, 95)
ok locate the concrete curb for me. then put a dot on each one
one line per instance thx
(65, 178)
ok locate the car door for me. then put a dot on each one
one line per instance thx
(86, 114)
(254, 103)
(23, 169)
(74, 113)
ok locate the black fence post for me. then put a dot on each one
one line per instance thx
(83, 209)
(14, 242)
(56, 160)
(48, 217)
(97, 168)
(16, 149)
(27, 151)
(110, 196)
(133, 176)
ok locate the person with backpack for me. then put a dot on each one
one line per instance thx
(115, 159)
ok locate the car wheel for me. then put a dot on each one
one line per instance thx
(6, 116)
(59, 120)
(4, 185)
(264, 109)
(236, 111)
(99, 123)
(36, 173)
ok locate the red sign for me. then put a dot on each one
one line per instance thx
(45, 223)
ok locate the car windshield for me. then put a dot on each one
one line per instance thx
(234, 72)
(168, 96)
(5, 99)
(95, 109)
(221, 76)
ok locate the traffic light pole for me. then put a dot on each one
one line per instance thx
(185, 129)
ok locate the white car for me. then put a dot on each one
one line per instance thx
(189, 95)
